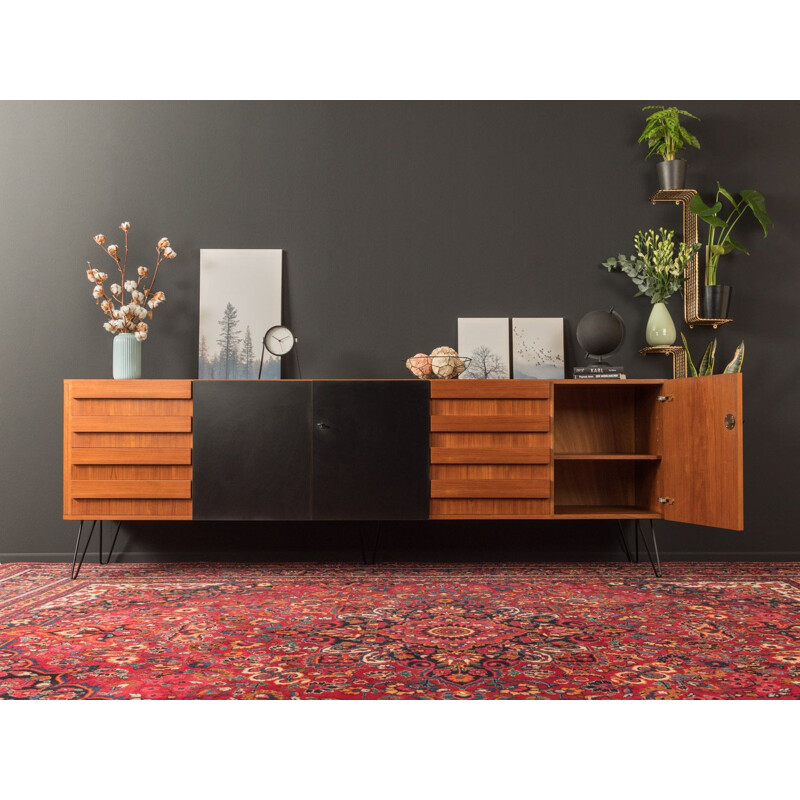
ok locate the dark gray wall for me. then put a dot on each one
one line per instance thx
(396, 219)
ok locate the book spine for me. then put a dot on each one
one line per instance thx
(596, 377)
(597, 370)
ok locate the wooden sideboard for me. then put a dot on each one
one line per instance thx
(405, 449)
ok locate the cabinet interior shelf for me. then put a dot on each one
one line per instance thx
(604, 512)
(606, 457)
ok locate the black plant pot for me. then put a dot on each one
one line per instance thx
(672, 174)
(716, 302)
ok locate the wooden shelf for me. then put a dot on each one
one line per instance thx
(604, 512)
(606, 457)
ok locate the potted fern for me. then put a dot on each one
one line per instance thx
(666, 136)
(716, 297)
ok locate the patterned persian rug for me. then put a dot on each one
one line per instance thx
(400, 631)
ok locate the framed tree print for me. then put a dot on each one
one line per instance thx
(240, 300)
(484, 340)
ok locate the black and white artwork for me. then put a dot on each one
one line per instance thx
(538, 347)
(485, 341)
(240, 299)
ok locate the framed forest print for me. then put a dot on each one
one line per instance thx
(240, 299)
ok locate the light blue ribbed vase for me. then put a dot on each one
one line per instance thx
(127, 356)
(660, 327)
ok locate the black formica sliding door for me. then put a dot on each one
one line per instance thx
(251, 450)
(294, 450)
(371, 444)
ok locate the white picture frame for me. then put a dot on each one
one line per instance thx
(537, 346)
(485, 341)
(240, 300)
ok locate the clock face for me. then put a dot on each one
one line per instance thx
(279, 340)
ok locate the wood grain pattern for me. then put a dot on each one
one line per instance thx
(468, 488)
(593, 483)
(132, 424)
(127, 449)
(606, 457)
(490, 388)
(130, 509)
(132, 455)
(490, 423)
(490, 406)
(126, 489)
(136, 472)
(535, 440)
(489, 455)
(488, 508)
(99, 407)
(128, 440)
(490, 471)
(151, 389)
(702, 468)
(604, 512)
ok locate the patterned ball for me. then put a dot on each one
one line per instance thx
(446, 363)
(420, 365)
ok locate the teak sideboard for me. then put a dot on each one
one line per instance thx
(405, 449)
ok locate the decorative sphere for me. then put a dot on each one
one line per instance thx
(420, 365)
(600, 333)
(446, 363)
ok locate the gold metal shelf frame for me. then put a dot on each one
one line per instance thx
(691, 286)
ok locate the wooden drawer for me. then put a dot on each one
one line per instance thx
(491, 448)
(127, 449)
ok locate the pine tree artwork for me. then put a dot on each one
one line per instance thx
(240, 300)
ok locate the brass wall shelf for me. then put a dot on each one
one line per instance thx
(678, 357)
(691, 286)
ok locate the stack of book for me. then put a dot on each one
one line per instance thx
(604, 371)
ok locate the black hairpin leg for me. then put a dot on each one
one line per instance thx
(113, 542)
(375, 543)
(74, 572)
(655, 561)
(624, 541)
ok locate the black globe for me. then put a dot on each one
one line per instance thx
(600, 333)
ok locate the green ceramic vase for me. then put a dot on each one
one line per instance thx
(660, 327)
(127, 356)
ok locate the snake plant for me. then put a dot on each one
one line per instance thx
(707, 363)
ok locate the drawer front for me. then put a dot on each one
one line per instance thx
(491, 449)
(127, 449)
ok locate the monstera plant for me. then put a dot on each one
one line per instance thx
(716, 297)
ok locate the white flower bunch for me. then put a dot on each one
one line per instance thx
(128, 316)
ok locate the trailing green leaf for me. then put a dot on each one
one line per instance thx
(736, 362)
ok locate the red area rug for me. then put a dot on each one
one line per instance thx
(400, 632)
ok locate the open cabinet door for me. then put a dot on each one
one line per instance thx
(701, 466)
